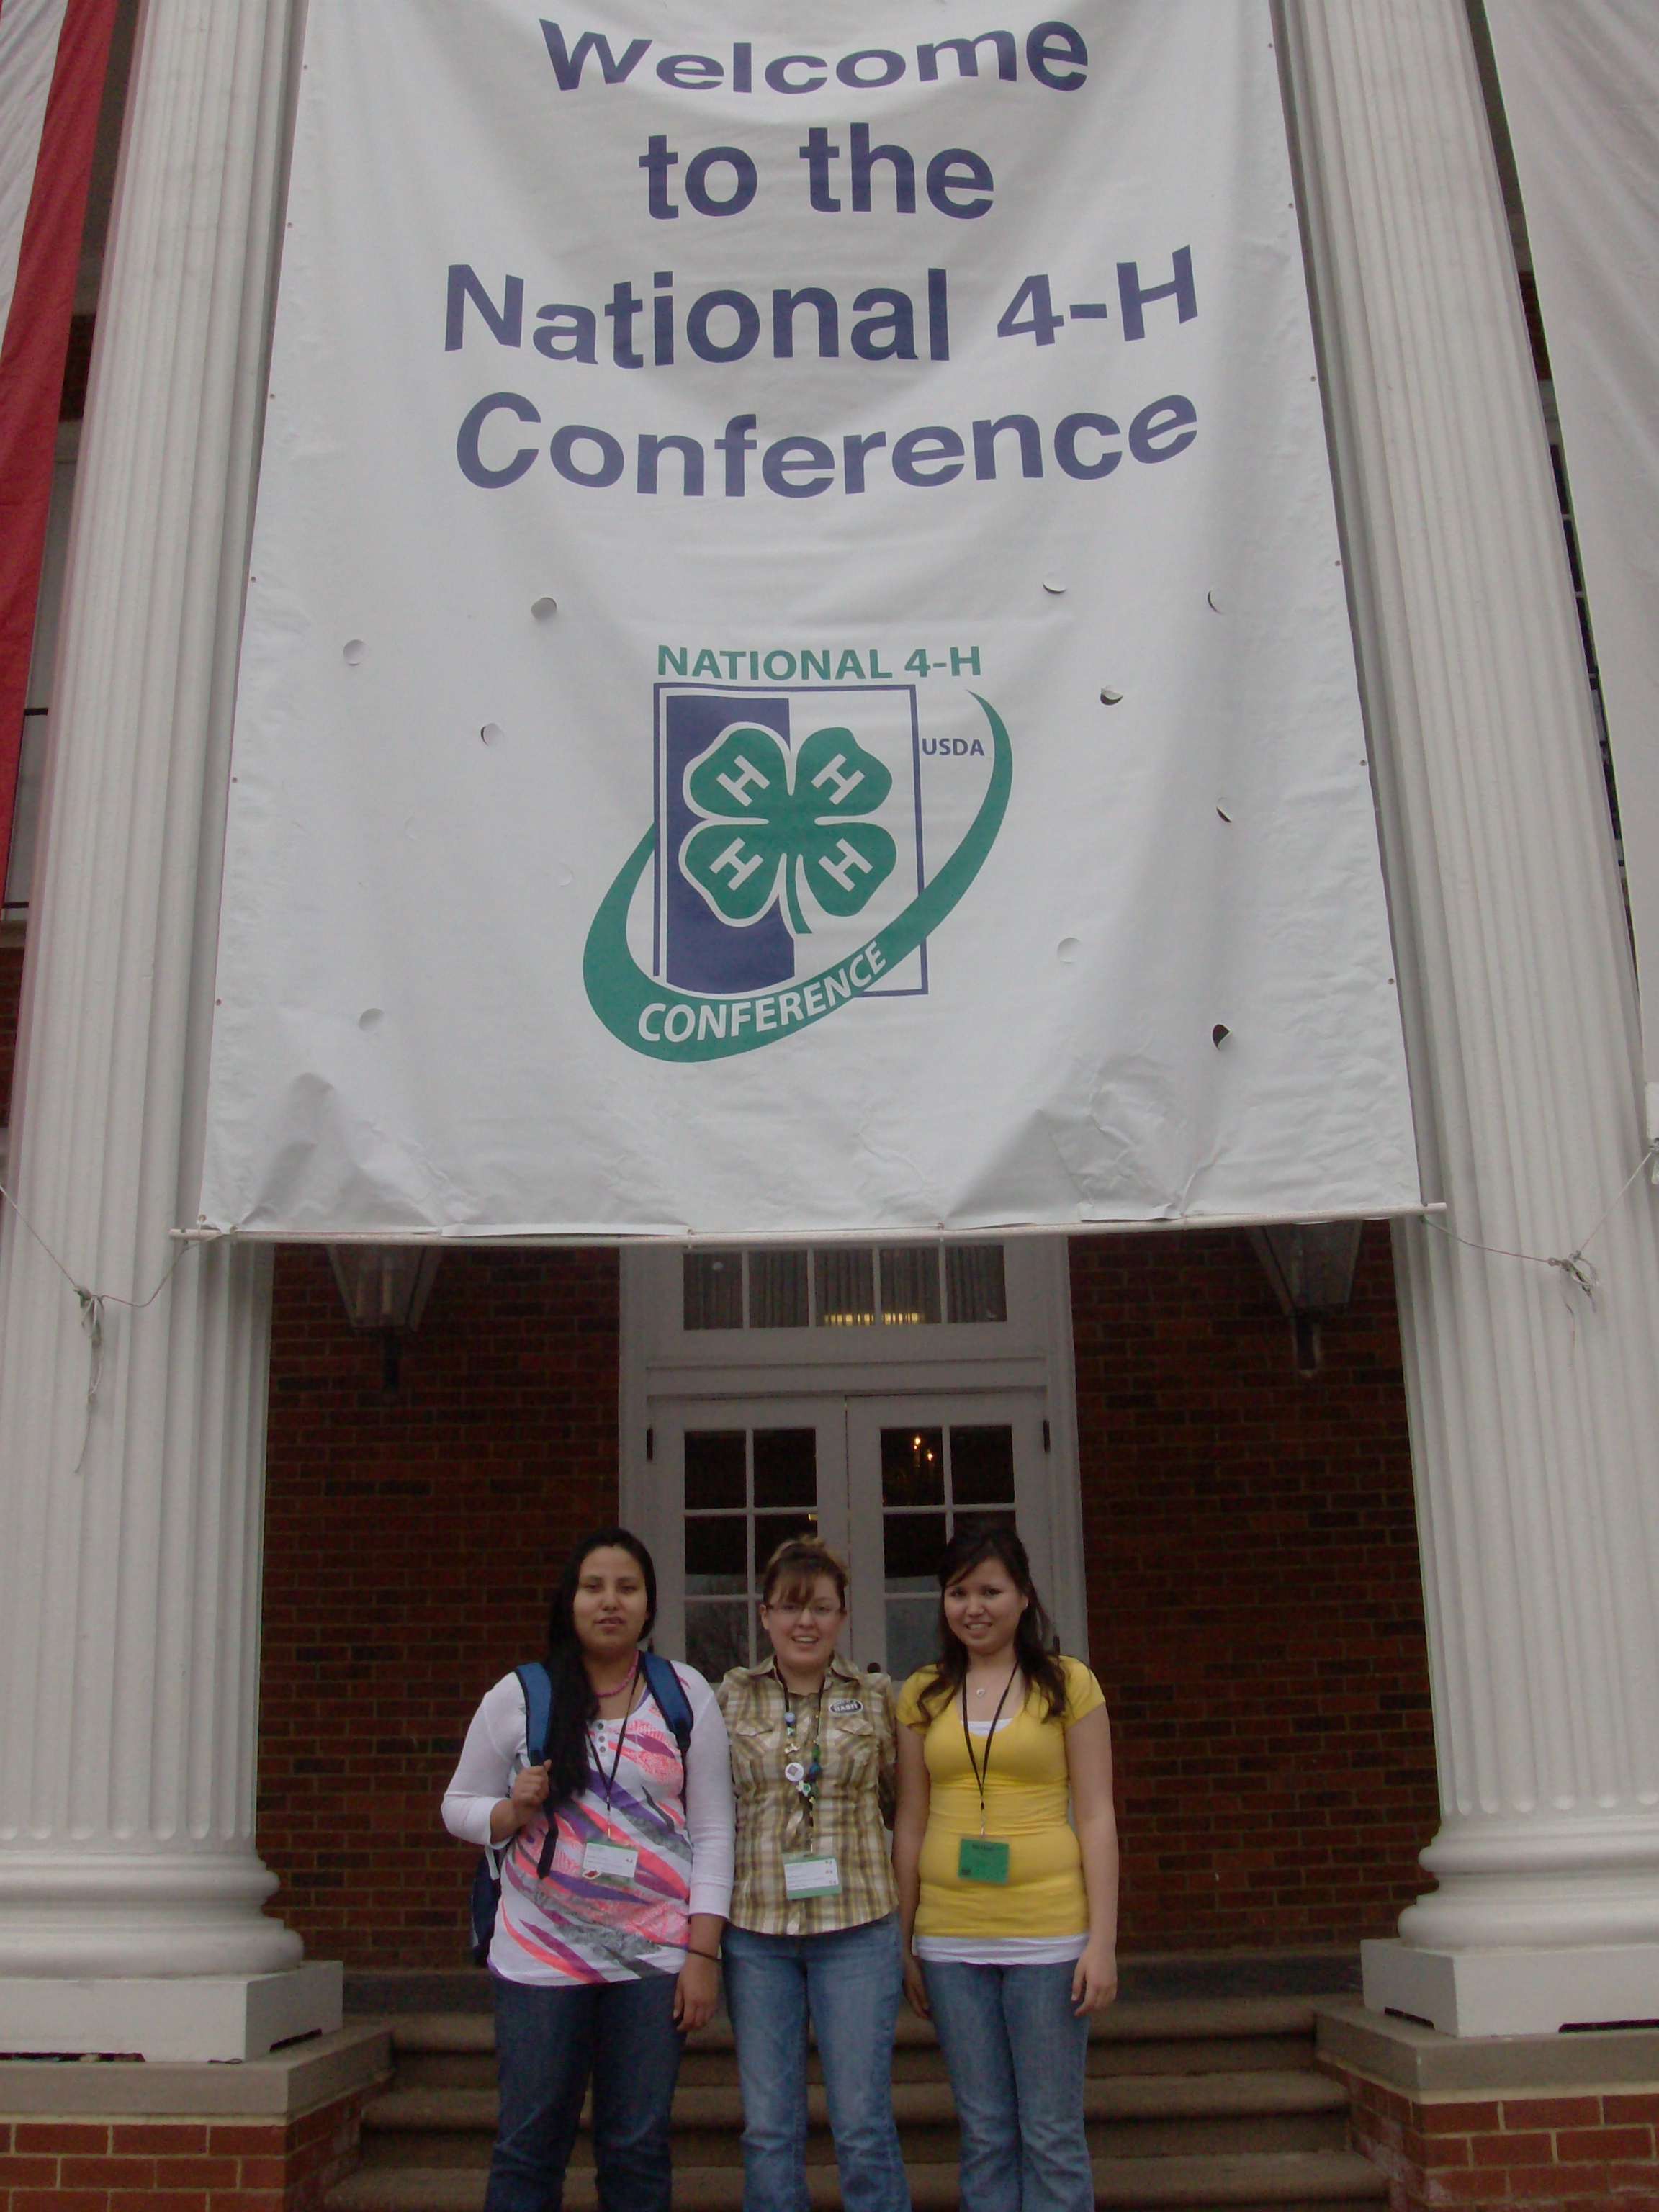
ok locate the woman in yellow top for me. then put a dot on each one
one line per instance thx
(1008, 1911)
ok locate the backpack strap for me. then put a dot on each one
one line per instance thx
(538, 1687)
(666, 1687)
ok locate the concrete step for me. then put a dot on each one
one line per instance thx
(1198, 2103)
(1135, 2116)
(1307, 2181)
(1226, 2035)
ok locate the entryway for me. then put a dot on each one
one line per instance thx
(884, 1478)
(875, 1396)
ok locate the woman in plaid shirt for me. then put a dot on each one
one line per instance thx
(813, 1933)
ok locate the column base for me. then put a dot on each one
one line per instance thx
(1514, 1992)
(193, 2017)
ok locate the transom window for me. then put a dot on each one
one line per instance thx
(844, 1286)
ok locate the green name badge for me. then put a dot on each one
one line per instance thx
(810, 1874)
(979, 1859)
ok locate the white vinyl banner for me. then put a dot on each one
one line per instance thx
(1581, 95)
(796, 676)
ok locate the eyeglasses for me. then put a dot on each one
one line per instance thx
(820, 1612)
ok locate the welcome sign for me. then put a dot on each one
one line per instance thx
(796, 677)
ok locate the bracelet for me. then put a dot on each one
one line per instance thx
(713, 1957)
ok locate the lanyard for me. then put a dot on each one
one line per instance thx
(804, 1778)
(982, 1774)
(622, 1738)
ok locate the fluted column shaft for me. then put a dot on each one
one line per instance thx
(1534, 1414)
(129, 1550)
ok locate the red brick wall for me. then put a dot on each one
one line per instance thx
(410, 1543)
(174, 2166)
(1569, 2153)
(1256, 1615)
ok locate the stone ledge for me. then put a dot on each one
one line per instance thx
(185, 2018)
(1423, 2064)
(284, 2086)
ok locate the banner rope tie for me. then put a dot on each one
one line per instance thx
(1575, 1268)
(92, 1303)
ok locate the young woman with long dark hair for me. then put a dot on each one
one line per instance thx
(615, 1855)
(1008, 1910)
(814, 1934)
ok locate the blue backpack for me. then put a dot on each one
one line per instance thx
(665, 1686)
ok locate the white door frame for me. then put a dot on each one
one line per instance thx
(663, 1365)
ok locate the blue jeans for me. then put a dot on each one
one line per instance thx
(548, 2040)
(850, 1982)
(1015, 2053)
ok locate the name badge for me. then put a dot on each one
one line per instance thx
(613, 1861)
(980, 1859)
(840, 1705)
(811, 1873)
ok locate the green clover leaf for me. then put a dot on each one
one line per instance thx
(766, 835)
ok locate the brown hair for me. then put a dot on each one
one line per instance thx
(795, 1567)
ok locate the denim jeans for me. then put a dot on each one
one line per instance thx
(548, 2040)
(848, 1982)
(1015, 2050)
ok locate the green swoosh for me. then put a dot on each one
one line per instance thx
(635, 1009)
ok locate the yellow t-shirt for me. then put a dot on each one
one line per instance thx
(1026, 1796)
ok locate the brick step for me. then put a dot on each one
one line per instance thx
(1127, 2115)
(1306, 2181)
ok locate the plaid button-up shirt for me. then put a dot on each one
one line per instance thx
(858, 1749)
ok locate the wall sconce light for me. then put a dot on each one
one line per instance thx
(385, 1288)
(1311, 1265)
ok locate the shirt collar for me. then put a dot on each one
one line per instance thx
(841, 1669)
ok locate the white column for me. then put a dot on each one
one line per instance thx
(1534, 1417)
(131, 1894)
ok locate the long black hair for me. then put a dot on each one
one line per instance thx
(1034, 1639)
(575, 1707)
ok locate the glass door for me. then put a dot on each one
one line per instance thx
(918, 1468)
(736, 1478)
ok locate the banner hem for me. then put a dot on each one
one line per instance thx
(526, 1235)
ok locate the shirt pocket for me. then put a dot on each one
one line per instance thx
(852, 1754)
(755, 1756)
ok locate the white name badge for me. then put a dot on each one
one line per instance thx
(810, 1874)
(612, 1862)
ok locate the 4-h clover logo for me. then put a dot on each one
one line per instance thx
(766, 837)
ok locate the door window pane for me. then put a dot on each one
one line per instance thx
(984, 1516)
(772, 1530)
(787, 1466)
(746, 1491)
(716, 1553)
(845, 1277)
(909, 1283)
(712, 1290)
(715, 1465)
(913, 1466)
(777, 1289)
(719, 1635)
(911, 1544)
(912, 1624)
(974, 1285)
(983, 1466)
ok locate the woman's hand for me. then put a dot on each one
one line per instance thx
(694, 1993)
(915, 1987)
(529, 1793)
(1094, 1984)
(521, 1804)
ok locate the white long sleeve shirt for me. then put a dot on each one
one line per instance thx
(572, 1926)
